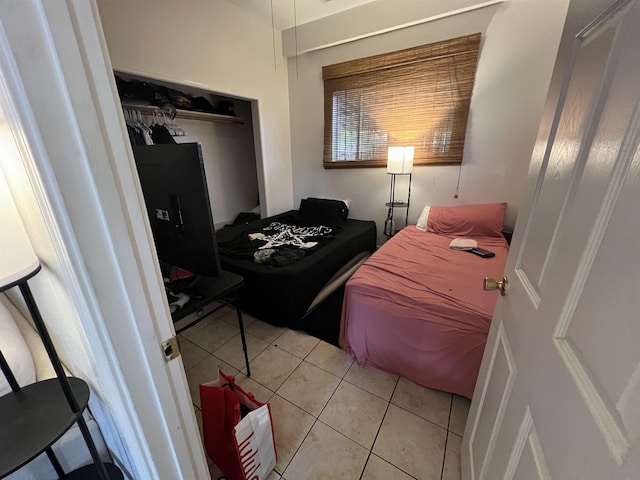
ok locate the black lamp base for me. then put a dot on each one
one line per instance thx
(90, 472)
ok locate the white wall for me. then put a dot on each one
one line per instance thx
(379, 16)
(520, 40)
(216, 46)
(224, 49)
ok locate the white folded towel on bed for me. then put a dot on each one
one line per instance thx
(463, 244)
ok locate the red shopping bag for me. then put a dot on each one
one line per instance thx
(237, 430)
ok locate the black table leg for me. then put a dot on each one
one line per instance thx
(244, 340)
(55, 463)
(97, 461)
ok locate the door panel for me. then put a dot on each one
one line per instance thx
(493, 403)
(571, 310)
(527, 456)
(585, 316)
(556, 177)
(609, 388)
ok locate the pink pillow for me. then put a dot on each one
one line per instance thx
(478, 219)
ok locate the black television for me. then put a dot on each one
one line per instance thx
(175, 192)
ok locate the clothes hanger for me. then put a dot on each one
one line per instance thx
(166, 125)
(141, 123)
(128, 118)
(179, 131)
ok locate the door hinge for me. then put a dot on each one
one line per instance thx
(171, 348)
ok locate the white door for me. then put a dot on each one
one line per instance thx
(558, 394)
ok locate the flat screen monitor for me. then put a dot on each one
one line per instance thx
(175, 191)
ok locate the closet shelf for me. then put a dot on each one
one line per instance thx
(187, 114)
(209, 117)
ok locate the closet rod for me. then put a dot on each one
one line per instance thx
(187, 114)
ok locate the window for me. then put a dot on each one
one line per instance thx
(419, 96)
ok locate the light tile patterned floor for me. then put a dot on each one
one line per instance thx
(332, 418)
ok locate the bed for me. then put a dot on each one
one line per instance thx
(281, 293)
(417, 308)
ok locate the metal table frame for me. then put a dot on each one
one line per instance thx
(205, 290)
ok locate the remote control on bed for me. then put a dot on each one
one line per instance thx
(481, 252)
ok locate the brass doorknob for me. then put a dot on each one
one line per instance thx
(493, 284)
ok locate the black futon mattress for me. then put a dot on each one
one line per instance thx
(281, 295)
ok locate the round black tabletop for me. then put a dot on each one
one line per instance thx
(34, 418)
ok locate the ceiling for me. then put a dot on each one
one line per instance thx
(305, 10)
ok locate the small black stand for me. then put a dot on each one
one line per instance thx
(33, 418)
(390, 229)
(205, 290)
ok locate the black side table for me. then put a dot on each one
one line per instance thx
(389, 226)
(205, 290)
(33, 418)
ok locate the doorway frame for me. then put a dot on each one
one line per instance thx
(75, 175)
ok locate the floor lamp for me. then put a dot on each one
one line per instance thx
(399, 162)
(33, 417)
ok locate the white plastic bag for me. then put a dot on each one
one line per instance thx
(256, 444)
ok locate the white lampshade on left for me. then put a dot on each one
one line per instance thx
(17, 258)
(400, 160)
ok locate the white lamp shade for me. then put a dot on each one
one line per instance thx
(17, 258)
(400, 160)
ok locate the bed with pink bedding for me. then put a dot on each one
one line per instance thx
(417, 308)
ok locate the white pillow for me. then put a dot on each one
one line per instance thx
(423, 219)
(15, 351)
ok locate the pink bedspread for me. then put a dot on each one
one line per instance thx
(417, 308)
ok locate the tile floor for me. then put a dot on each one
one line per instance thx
(332, 418)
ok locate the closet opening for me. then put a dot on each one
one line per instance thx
(223, 125)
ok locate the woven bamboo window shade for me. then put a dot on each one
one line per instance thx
(419, 97)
